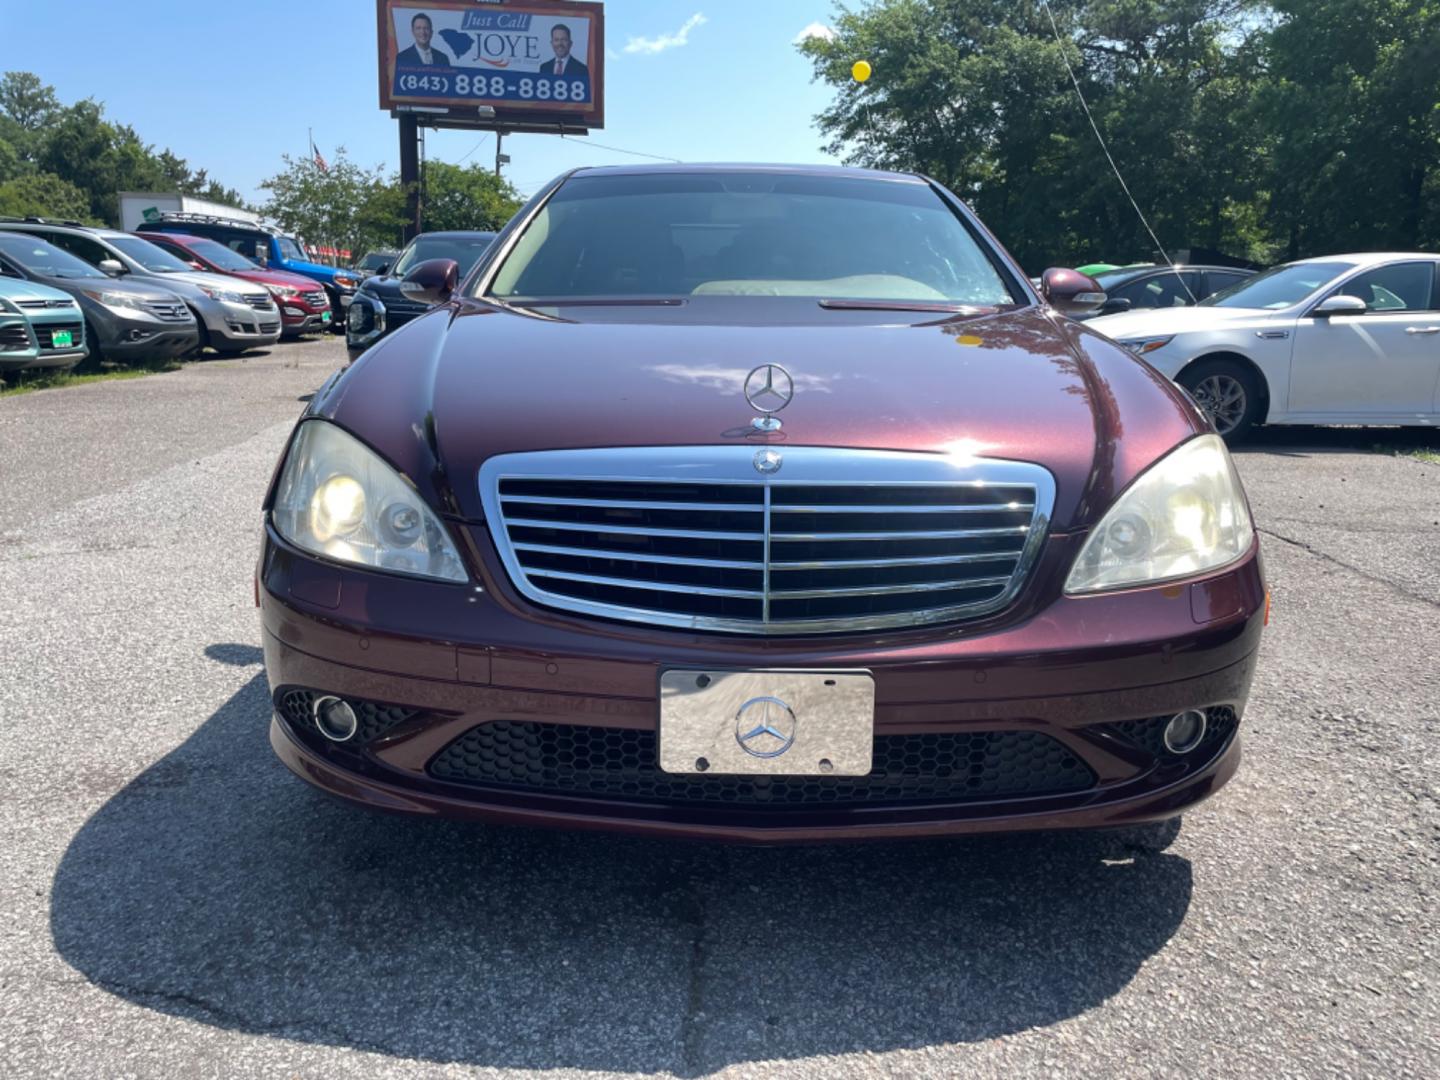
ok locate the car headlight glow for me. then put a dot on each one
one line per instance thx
(1148, 344)
(338, 499)
(1186, 515)
(115, 299)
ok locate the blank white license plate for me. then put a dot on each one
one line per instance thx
(776, 723)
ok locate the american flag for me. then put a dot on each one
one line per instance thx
(320, 162)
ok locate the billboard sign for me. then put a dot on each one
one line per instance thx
(530, 62)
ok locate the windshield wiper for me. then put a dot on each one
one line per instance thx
(596, 301)
(944, 307)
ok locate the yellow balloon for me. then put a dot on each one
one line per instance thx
(861, 70)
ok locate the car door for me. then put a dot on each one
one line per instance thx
(1381, 365)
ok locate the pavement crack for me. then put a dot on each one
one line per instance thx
(1357, 570)
(691, 912)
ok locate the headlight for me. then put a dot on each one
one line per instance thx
(1147, 344)
(346, 282)
(227, 295)
(115, 299)
(282, 290)
(1184, 516)
(338, 499)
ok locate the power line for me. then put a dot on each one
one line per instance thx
(622, 150)
(1108, 157)
(474, 148)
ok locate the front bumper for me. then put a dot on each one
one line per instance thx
(240, 326)
(365, 323)
(123, 338)
(452, 660)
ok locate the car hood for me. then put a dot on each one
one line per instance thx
(1129, 325)
(277, 277)
(320, 270)
(469, 381)
(15, 289)
(145, 289)
(202, 279)
(384, 286)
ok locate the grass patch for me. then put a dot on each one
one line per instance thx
(1425, 454)
(26, 382)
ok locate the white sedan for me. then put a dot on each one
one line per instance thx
(1346, 339)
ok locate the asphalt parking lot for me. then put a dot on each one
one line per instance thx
(177, 904)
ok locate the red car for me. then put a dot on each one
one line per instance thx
(304, 307)
(757, 503)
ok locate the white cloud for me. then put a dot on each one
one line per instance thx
(814, 30)
(665, 41)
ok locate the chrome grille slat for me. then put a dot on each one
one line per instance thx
(646, 584)
(630, 556)
(636, 530)
(888, 564)
(984, 508)
(643, 535)
(890, 590)
(914, 534)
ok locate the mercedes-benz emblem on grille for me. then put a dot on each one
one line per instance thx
(768, 389)
(768, 461)
(765, 727)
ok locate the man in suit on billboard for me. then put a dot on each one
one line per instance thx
(564, 66)
(421, 54)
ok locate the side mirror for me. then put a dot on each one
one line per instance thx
(1114, 305)
(1070, 292)
(112, 267)
(382, 269)
(433, 281)
(1339, 305)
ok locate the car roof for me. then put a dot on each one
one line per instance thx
(745, 167)
(1368, 258)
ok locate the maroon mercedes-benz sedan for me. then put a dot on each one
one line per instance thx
(758, 503)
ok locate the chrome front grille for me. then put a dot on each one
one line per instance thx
(259, 301)
(836, 540)
(169, 310)
(35, 305)
(315, 299)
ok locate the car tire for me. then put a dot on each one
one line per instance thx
(1228, 393)
(95, 359)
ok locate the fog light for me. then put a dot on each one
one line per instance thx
(292, 311)
(1184, 731)
(335, 719)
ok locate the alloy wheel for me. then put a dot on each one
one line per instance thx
(1222, 397)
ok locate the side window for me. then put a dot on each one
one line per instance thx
(82, 247)
(1162, 291)
(6, 270)
(1399, 287)
(1215, 280)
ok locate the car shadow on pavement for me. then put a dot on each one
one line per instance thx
(1300, 440)
(219, 887)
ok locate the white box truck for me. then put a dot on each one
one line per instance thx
(138, 206)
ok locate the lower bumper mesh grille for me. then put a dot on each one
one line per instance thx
(297, 707)
(1149, 735)
(586, 761)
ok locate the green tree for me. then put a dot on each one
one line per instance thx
(1352, 111)
(976, 94)
(43, 195)
(320, 205)
(470, 197)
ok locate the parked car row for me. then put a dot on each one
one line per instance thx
(1343, 339)
(186, 282)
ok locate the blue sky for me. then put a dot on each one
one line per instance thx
(231, 87)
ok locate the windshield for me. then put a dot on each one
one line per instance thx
(376, 259)
(465, 250)
(289, 249)
(44, 258)
(1109, 279)
(219, 255)
(749, 234)
(1278, 287)
(152, 257)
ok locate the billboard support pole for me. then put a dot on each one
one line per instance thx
(497, 154)
(410, 173)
